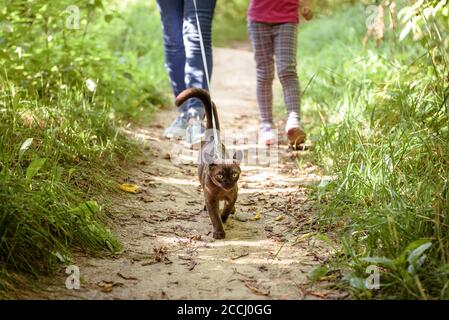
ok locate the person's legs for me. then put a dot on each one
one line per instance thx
(175, 58)
(195, 75)
(285, 46)
(172, 18)
(261, 35)
(262, 42)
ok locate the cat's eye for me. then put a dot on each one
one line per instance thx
(219, 176)
(235, 175)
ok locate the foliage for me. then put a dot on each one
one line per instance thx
(51, 46)
(380, 121)
(71, 72)
(229, 24)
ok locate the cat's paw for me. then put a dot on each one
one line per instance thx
(219, 235)
(225, 215)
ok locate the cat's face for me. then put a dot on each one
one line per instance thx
(225, 175)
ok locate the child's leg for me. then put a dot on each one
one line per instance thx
(285, 46)
(262, 42)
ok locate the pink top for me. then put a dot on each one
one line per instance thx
(274, 11)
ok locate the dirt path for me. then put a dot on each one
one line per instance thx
(169, 251)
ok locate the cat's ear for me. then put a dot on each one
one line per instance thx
(238, 157)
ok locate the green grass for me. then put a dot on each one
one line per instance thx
(60, 142)
(50, 160)
(138, 83)
(379, 118)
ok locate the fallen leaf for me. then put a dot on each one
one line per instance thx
(255, 290)
(257, 216)
(107, 286)
(240, 256)
(167, 156)
(279, 217)
(302, 293)
(248, 203)
(318, 294)
(190, 265)
(149, 235)
(131, 188)
(126, 277)
(160, 255)
(263, 268)
(305, 236)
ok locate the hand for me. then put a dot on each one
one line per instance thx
(307, 13)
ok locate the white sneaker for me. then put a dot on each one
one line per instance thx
(266, 135)
(294, 131)
(177, 129)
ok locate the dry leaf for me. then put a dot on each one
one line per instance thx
(280, 217)
(126, 277)
(190, 265)
(318, 294)
(257, 216)
(302, 293)
(240, 256)
(131, 188)
(167, 156)
(107, 286)
(250, 285)
(305, 236)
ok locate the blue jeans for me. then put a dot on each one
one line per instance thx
(183, 58)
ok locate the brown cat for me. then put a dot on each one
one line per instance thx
(218, 174)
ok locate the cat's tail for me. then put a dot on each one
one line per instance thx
(204, 96)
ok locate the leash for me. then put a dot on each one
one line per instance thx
(206, 70)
